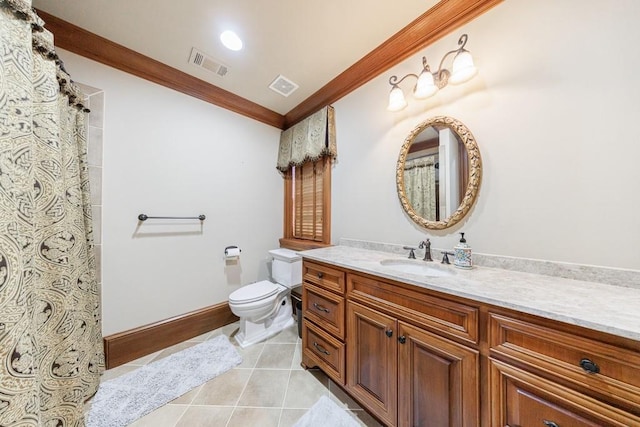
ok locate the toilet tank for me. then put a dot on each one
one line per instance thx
(286, 268)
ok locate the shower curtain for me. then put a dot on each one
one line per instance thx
(51, 353)
(420, 186)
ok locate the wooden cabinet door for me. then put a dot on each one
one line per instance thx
(372, 352)
(437, 381)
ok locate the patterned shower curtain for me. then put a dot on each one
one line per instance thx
(50, 331)
(420, 186)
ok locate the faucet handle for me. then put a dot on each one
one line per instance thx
(445, 257)
(412, 254)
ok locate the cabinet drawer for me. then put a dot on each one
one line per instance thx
(324, 350)
(448, 317)
(523, 399)
(591, 365)
(324, 308)
(323, 276)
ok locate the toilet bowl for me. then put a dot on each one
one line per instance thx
(264, 307)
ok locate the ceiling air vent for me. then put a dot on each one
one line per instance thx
(208, 63)
(283, 86)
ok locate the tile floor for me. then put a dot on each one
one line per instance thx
(269, 388)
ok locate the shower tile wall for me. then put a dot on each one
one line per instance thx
(95, 100)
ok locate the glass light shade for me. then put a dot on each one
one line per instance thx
(425, 87)
(396, 99)
(463, 68)
(230, 40)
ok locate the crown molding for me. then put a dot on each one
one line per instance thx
(440, 20)
(82, 42)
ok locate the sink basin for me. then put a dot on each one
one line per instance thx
(421, 268)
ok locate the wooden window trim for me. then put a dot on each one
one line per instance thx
(288, 240)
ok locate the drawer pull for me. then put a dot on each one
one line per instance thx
(320, 275)
(389, 332)
(320, 348)
(402, 339)
(589, 366)
(321, 308)
(550, 423)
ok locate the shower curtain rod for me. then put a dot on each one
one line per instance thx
(143, 217)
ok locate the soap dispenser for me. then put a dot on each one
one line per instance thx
(462, 254)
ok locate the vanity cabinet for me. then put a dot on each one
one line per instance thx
(546, 373)
(415, 357)
(400, 363)
(408, 376)
(524, 399)
(323, 328)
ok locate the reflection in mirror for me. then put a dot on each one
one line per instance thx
(438, 172)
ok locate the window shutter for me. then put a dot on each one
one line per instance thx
(308, 201)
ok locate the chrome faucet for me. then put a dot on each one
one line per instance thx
(426, 245)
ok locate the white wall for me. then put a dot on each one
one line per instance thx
(554, 110)
(166, 154)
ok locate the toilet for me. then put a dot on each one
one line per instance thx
(264, 307)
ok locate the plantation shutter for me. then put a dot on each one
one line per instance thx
(308, 201)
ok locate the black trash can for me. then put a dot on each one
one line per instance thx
(296, 304)
(299, 313)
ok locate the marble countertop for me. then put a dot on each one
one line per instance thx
(598, 306)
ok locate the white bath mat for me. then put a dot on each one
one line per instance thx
(122, 400)
(326, 413)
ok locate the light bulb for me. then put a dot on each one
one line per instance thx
(425, 87)
(396, 99)
(463, 68)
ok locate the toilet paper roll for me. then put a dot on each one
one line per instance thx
(232, 253)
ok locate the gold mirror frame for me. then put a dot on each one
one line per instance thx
(475, 172)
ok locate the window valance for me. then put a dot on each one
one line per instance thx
(308, 140)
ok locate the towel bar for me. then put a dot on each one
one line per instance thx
(143, 217)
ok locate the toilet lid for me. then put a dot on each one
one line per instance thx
(254, 292)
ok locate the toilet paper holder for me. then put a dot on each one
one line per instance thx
(229, 249)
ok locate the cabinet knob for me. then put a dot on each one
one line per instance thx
(320, 348)
(320, 307)
(549, 423)
(389, 333)
(402, 339)
(589, 366)
(320, 275)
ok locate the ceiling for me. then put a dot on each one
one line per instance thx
(309, 42)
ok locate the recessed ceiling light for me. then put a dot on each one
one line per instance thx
(231, 40)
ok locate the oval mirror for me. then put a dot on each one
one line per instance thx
(438, 173)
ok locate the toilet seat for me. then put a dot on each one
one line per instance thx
(254, 292)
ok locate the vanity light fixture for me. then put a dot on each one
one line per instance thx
(428, 83)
